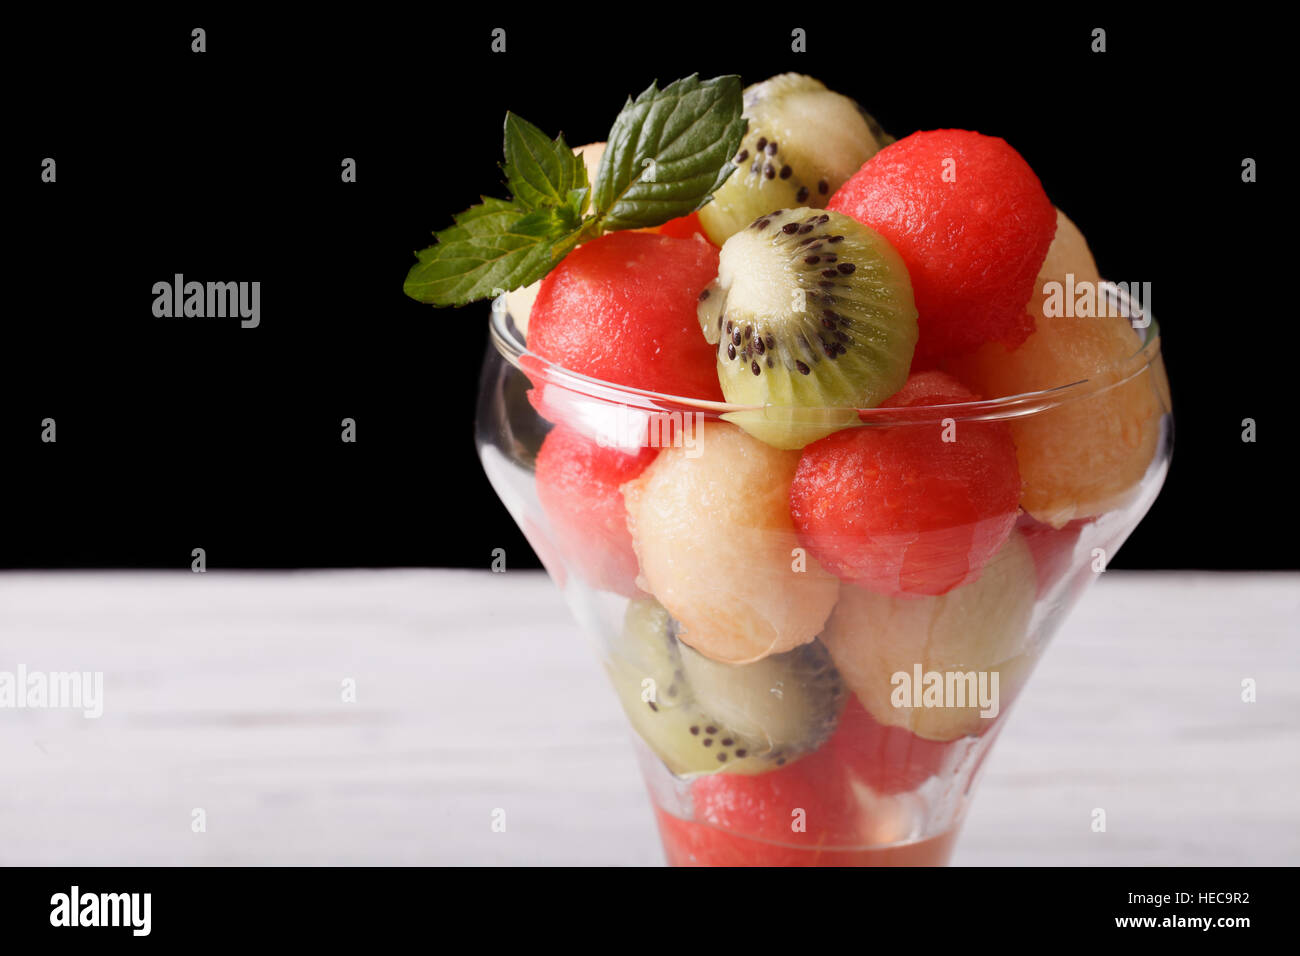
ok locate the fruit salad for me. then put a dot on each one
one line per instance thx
(791, 413)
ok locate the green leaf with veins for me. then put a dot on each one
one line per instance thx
(541, 171)
(501, 245)
(472, 267)
(668, 152)
(490, 216)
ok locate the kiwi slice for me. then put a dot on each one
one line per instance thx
(791, 700)
(782, 707)
(803, 142)
(813, 317)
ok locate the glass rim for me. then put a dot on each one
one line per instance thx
(505, 338)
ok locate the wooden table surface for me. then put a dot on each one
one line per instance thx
(475, 693)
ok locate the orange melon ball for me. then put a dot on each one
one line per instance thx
(1085, 456)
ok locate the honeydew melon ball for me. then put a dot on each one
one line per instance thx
(980, 626)
(717, 547)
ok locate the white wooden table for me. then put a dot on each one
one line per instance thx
(474, 693)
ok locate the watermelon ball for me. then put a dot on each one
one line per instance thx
(683, 227)
(972, 223)
(622, 309)
(909, 509)
(746, 820)
(1052, 548)
(578, 485)
(813, 792)
(887, 759)
(697, 844)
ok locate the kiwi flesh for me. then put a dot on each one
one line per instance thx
(790, 700)
(803, 142)
(742, 718)
(813, 317)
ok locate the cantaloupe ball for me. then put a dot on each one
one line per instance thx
(712, 532)
(519, 303)
(1068, 252)
(1085, 456)
(980, 626)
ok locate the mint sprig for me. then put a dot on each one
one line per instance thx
(501, 245)
(541, 172)
(668, 151)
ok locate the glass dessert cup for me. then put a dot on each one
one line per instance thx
(761, 745)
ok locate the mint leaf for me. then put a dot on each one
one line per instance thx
(489, 251)
(500, 245)
(541, 172)
(491, 216)
(668, 152)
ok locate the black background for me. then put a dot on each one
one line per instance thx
(175, 433)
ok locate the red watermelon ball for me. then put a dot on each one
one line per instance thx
(1052, 548)
(814, 791)
(744, 820)
(899, 509)
(577, 484)
(972, 223)
(683, 227)
(888, 759)
(622, 309)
